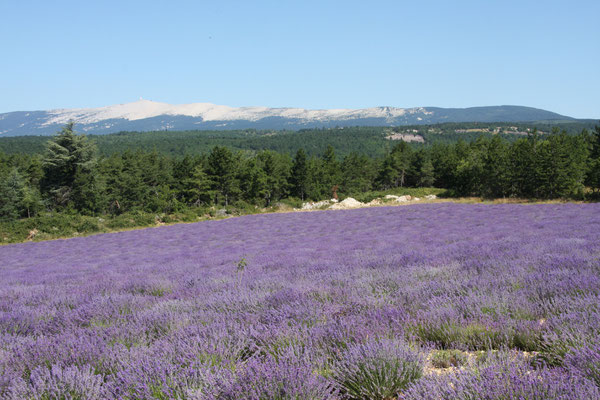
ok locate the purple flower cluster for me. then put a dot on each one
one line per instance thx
(56, 382)
(167, 312)
(585, 361)
(281, 377)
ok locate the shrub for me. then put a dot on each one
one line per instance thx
(241, 207)
(556, 346)
(88, 225)
(448, 358)
(377, 369)
(447, 335)
(293, 202)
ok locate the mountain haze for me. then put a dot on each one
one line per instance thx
(146, 115)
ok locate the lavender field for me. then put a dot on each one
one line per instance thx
(431, 301)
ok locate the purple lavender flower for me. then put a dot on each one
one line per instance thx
(278, 378)
(73, 383)
(585, 362)
(161, 313)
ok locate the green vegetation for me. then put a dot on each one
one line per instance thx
(448, 358)
(377, 370)
(369, 141)
(45, 226)
(73, 184)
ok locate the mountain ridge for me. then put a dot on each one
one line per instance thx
(146, 115)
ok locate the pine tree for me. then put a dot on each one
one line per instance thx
(426, 172)
(87, 193)
(469, 176)
(254, 182)
(495, 169)
(522, 167)
(67, 155)
(156, 174)
(222, 169)
(402, 156)
(182, 172)
(277, 171)
(32, 201)
(357, 174)
(394, 170)
(299, 177)
(445, 161)
(593, 167)
(561, 166)
(331, 171)
(201, 186)
(388, 174)
(12, 194)
(195, 187)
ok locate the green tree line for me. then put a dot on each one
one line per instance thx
(370, 141)
(71, 176)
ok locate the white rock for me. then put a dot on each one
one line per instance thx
(431, 197)
(374, 202)
(313, 206)
(347, 203)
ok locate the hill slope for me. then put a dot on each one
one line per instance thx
(145, 115)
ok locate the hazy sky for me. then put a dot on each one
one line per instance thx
(311, 54)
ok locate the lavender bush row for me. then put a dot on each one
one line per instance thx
(503, 377)
(290, 305)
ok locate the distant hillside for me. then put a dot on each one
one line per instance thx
(371, 141)
(495, 114)
(145, 115)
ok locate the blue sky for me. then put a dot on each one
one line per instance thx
(311, 54)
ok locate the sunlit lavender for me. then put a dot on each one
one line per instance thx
(295, 306)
